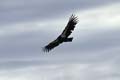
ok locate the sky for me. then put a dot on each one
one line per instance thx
(26, 26)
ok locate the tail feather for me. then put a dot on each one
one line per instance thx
(68, 39)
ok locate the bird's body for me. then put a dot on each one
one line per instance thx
(64, 37)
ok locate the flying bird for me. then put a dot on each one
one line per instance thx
(64, 37)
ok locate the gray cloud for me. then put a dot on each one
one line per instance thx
(65, 71)
(25, 10)
(94, 51)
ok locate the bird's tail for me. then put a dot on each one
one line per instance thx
(68, 39)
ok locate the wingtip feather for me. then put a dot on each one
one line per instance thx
(74, 19)
(45, 49)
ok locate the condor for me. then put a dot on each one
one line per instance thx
(64, 37)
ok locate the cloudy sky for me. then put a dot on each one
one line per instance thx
(28, 25)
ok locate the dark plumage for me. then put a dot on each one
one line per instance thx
(64, 36)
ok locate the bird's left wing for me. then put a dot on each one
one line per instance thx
(51, 45)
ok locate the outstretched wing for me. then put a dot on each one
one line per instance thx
(70, 26)
(51, 45)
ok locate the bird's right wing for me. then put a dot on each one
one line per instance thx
(70, 26)
(51, 45)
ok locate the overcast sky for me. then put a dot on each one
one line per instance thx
(28, 25)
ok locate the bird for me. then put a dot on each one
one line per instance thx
(64, 36)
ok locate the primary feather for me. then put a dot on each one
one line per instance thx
(70, 26)
(64, 36)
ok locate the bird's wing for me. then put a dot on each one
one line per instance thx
(70, 26)
(51, 45)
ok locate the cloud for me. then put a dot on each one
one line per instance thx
(97, 26)
(25, 10)
(63, 72)
(93, 54)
